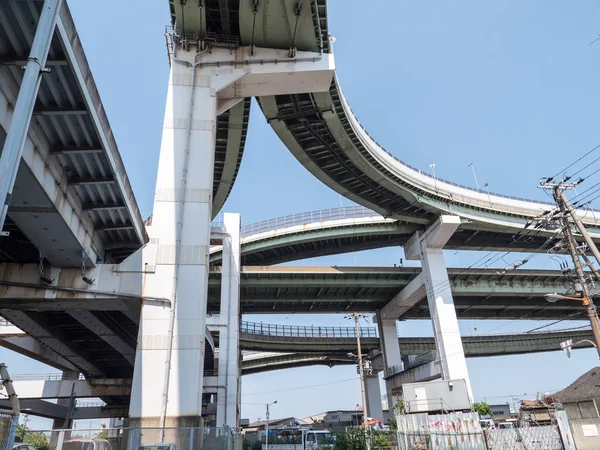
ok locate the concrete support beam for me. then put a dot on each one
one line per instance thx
(390, 347)
(428, 247)
(425, 372)
(407, 298)
(25, 345)
(373, 395)
(69, 403)
(229, 373)
(67, 388)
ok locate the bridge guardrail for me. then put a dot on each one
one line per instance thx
(55, 376)
(349, 212)
(263, 329)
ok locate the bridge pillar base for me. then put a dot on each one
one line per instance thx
(373, 394)
(390, 347)
(427, 247)
(229, 373)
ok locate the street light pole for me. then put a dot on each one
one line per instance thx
(474, 176)
(267, 425)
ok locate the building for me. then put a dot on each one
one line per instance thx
(502, 412)
(338, 420)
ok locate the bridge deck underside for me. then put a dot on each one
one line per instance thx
(82, 158)
(478, 294)
(81, 342)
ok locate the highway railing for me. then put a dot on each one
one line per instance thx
(54, 376)
(350, 212)
(313, 331)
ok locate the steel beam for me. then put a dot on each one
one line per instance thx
(83, 181)
(40, 408)
(103, 207)
(59, 150)
(57, 111)
(21, 61)
(21, 115)
(53, 340)
(91, 322)
(114, 226)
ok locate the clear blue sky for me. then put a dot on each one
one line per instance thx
(510, 86)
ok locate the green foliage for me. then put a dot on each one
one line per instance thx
(398, 407)
(37, 439)
(483, 409)
(393, 424)
(355, 438)
(257, 445)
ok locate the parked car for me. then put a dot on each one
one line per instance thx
(22, 446)
(162, 446)
(86, 444)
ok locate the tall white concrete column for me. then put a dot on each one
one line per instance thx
(390, 348)
(21, 115)
(428, 247)
(373, 394)
(229, 373)
(168, 374)
(169, 366)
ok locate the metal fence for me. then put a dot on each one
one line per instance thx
(6, 427)
(264, 329)
(443, 432)
(527, 438)
(191, 438)
(350, 212)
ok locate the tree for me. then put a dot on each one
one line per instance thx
(483, 409)
(35, 438)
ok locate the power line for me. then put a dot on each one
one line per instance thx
(305, 387)
(573, 163)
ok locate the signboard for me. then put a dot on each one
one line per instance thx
(589, 430)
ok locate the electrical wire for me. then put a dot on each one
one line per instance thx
(305, 387)
(575, 162)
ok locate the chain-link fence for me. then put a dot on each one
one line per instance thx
(191, 438)
(6, 427)
(527, 438)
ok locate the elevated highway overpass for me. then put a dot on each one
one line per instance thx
(72, 193)
(478, 293)
(95, 332)
(323, 133)
(349, 229)
(272, 347)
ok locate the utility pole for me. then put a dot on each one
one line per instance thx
(581, 284)
(361, 371)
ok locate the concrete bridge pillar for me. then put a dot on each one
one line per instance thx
(168, 374)
(67, 422)
(427, 247)
(229, 373)
(373, 394)
(390, 347)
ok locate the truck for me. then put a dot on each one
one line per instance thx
(298, 439)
